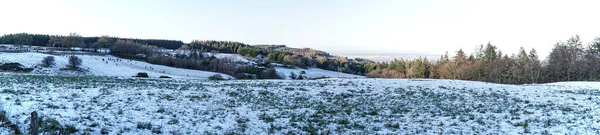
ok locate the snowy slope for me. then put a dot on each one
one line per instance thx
(327, 106)
(232, 57)
(99, 67)
(580, 84)
(314, 73)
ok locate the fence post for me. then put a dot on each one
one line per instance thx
(33, 125)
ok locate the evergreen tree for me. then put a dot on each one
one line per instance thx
(490, 52)
(417, 69)
(522, 67)
(480, 52)
(457, 68)
(535, 66)
(471, 58)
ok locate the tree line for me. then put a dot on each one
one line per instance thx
(76, 40)
(303, 58)
(568, 61)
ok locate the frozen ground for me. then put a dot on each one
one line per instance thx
(111, 105)
(102, 66)
(314, 73)
(232, 57)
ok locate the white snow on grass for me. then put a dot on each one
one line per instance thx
(314, 73)
(232, 57)
(5, 130)
(326, 106)
(99, 67)
(580, 84)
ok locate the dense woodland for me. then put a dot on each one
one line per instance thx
(87, 42)
(569, 60)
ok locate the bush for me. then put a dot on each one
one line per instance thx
(74, 62)
(48, 61)
(142, 74)
(144, 125)
(50, 125)
(70, 129)
(293, 75)
(385, 73)
(216, 77)
(14, 67)
(269, 73)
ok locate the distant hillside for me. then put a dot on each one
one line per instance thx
(306, 52)
(310, 53)
(387, 57)
(130, 48)
(300, 57)
(103, 66)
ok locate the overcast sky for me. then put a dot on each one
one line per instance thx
(337, 26)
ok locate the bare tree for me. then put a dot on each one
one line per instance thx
(22, 39)
(103, 42)
(73, 40)
(48, 61)
(55, 40)
(74, 62)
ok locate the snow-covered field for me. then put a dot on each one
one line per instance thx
(314, 73)
(233, 57)
(112, 105)
(102, 66)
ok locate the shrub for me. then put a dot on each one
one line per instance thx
(70, 129)
(157, 130)
(48, 61)
(14, 67)
(292, 75)
(142, 74)
(216, 77)
(144, 125)
(104, 131)
(269, 73)
(74, 62)
(385, 73)
(50, 125)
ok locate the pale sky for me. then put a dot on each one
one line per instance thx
(336, 26)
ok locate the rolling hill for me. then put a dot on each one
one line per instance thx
(103, 66)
